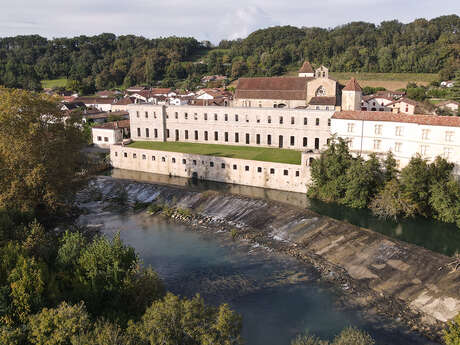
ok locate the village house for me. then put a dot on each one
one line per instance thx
(109, 133)
(451, 106)
(100, 103)
(122, 103)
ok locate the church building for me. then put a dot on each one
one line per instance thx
(311, 89)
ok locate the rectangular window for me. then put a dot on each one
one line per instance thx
(216, 136)
(424, 150)
(146, 115)
(292, 120)
(205, 116)
(186, 134)
(272, 171)
(184, 161)
(147, 133)
(377, 143)
(174, 160)
(225, 117)
(316, 143)
(106, 139)
(99, 138)
(378, 129)
(269, 139)
(234, 167)
(297, 173)
(305, 121)
(269, 119)
(258, 139)
(125, 155)
(137, 114)
(177, 134)
(206, 135)
(236, 117)
(305, 141)
(398, 131)
(449, 136)
(226, 136)
(281, 120)
(286, 172)
(215, 117)
(211, 164)
(247, 138)
(237, 137)
(259, 169)
(195, 116)
(292, 140)
(186, 116)
(222, 165)
(163, 159)
(196, 135)
(425, 134)
(138, 132)
(448, 153)
(280, 141)
(246, 168)
(350, 127)
(398, 147)
(176, 115)
(153, 158)
(155, 132)
(116, 154)
(329, 122)
(317, 121)
(167, 133)
(194, 162)
(134, 155)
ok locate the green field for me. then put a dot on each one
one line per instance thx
(242, 152)
(51, 83)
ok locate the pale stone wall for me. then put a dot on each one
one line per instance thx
(267, 103)
(411, 138)
(288, 177)
(351, 100)
(103, 137)
(309, 129)
(329, 85)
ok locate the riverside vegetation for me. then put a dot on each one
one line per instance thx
(420, 188)
(71, 287)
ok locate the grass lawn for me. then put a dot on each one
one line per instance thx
(243, 152)
(61, 82)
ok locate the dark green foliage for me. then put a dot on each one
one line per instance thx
(422, 188)
(108, 61)
(349, 336)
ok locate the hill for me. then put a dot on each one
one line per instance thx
(109, 61)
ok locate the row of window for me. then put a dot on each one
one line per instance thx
(211, 164)
(247, 138)
(106, 139)
(399, 132)
(235, 118)
(424, 149)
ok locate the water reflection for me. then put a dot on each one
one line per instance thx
(439, 237)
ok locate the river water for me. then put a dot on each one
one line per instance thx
(277, 296)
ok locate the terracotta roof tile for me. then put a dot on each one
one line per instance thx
(306, 68)
(113, 125)
(352, 85)
(284, 88)
(431, 120)
(322, 101)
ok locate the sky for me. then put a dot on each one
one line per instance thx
(211, 20)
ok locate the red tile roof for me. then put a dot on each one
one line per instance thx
(125, 101)
(160, 91)
(431, 120)
(113, 125)
(352, 85)
(281, 88)
(322, 101)
(95, 100)
(306, 68)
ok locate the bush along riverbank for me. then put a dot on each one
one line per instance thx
(397, 279)
(420, 188)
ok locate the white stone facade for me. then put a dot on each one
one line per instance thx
(404, 139)
(288, 177)
(104, 137)
(299, 129)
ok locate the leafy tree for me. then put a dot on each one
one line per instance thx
(58, 326)
(188, 321)
(39, 152)
(445, 201)
(390, 171)
(351, 335)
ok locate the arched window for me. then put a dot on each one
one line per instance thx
(320, 92)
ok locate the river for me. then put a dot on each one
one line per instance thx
(277, 296)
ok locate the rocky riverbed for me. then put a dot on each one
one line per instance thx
(400, 280)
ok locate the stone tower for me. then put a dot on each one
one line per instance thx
(352, 95)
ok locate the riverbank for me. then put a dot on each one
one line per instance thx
(397, 279)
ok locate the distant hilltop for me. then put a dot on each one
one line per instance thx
(108, 61)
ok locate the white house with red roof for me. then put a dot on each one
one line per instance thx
(404, 135)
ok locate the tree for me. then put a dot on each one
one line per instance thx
(392, 203)
(452, 333)
(445, 201)
(390, 171)
(58, 326)
(454, 91)
(173, 320)
(352, 335)
(39, 152)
